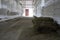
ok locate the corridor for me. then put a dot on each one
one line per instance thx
(29, 19)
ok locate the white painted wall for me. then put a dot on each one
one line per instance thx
(52, 10)
(38, 8)
(10, 9)
(48, 8)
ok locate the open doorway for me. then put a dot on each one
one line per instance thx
(28, 12)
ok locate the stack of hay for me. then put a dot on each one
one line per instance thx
(44, 24)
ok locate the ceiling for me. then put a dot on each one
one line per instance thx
(27, 3)
(26, 0)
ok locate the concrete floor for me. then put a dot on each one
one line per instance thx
(22, 30)
(11, 30)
